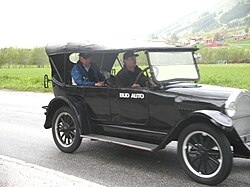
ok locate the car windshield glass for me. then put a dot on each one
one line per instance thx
(173, 66)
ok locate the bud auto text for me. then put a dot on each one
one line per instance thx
(132, 95)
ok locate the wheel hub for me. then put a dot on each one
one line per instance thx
(202, 151)
(66, 129)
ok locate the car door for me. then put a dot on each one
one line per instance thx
(129, 106)
(97, 101)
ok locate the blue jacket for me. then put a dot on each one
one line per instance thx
(84, 78)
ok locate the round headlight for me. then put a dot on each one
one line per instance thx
(231, 109)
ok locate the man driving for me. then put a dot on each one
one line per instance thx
(126, 77)
(86, 73)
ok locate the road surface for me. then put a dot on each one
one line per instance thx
(25, 145)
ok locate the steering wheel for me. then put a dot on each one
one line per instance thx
(140, 74)
(110, 81)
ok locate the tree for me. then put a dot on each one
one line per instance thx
(39, 57)
(1, 58)
(246, 29)
(13, 57)
(218, 36)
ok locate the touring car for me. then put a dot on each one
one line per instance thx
(210, 123)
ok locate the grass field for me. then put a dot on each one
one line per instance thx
(24, 79)
(238, 43)
(232, 75)
(31, 79)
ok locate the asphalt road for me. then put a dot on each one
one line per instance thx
(23, 137)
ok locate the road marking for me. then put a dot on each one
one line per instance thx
(15, 172)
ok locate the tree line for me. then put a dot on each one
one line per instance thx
(36, 57)
(231, 55)
(19, 57)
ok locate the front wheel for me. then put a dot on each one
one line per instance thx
(65, 130)
(205, 153)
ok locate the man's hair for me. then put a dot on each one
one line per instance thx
(129, 54)
(85, 55)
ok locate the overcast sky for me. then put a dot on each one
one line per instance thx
(34, 23)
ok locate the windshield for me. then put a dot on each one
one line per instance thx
(173, 66)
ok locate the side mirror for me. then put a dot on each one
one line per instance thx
(46, 81)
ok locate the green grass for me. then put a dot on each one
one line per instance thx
(231, 75)
(31, 79)
(245, 43)
(24, 79)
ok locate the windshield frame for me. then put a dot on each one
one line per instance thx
(169, 81)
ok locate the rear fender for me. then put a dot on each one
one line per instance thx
(76, 104)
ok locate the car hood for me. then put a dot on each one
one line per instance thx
(201, 90)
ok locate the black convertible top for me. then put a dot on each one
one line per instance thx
(99, 48)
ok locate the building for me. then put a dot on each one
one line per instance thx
(240, 36)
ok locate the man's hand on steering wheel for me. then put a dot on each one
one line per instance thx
(136, 84)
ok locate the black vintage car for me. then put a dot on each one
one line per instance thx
(210, 123)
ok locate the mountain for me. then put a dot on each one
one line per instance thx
(229, 14)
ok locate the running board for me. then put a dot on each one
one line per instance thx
(121, 141)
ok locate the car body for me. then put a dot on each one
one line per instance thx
(210, 123)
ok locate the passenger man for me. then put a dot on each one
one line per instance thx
(126, 77)
(86, 73)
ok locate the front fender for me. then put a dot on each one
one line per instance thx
(76, 104)
(214, 117)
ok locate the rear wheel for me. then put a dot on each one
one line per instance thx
(205, 153)
(65, 130)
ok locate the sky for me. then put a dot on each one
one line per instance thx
(36, 23)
